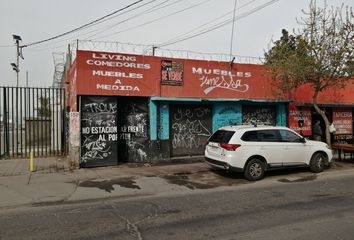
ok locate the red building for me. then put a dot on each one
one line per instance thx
(145, 108)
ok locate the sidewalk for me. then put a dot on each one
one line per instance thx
(54, 182)
(14, 167)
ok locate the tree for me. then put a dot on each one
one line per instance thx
(44, 109)
(320, 54)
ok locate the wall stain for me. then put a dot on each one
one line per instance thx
(107, 185)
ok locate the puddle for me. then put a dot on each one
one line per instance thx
(183, 180)
(302, 179)
(220, 178)
(107, 185)
(204, 180)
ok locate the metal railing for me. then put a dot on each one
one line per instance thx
(32, 120)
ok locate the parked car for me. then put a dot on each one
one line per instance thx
(253, 150)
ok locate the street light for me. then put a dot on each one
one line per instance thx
(16, 66)
(17, 37)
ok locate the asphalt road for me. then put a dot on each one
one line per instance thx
(303, 206)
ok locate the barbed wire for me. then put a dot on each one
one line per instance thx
(59, 68)
(149, 50)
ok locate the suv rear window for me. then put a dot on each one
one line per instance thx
(221, 136)
(250, 136)
(261, 136)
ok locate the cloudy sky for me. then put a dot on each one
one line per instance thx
(149, 22)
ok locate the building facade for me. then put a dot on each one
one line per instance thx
(135, 108)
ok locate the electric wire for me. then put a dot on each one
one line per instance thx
(116, 24)
(216, 26)
(154, 20)
(211, 21)
(95, 30)
(169, 15)
(83, 26)
(152, 9)
(6, 46)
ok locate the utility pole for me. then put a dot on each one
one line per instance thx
(232, 31)
(153, 50)
(16, 66)
(26, 78)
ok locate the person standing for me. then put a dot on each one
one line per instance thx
(317, 131)
(332, 130)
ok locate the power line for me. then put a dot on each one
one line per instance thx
(95, 30)
(211, 21)
(155, 20)
(6, 46)
(217, 26)
(152, 9)
(83, 26)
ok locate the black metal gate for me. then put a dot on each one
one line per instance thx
(32, 120)
(190, 128)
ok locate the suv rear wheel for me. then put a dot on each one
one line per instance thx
(254, 170)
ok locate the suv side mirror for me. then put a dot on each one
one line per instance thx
(303, 140)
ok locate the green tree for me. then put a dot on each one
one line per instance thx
(44, 109)
(320, 54)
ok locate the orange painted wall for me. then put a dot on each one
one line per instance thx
(211, 79)
(135, 75)
(116, 74)
(338, 96)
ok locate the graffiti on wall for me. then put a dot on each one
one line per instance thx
(133, 132)
(258, 115)
(211, 79)
(99, 131)
(227, 115)
(190, 128)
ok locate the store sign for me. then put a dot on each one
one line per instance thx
(119, 74)
(211, 79)
(114, 74)
(343, 120)
(171, 73)
(300, 120)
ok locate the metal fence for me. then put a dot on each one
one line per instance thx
(32, 120)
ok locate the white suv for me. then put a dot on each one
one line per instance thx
(254, 150)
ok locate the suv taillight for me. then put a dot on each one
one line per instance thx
(229, 147)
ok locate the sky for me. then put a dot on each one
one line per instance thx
(149, 23)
